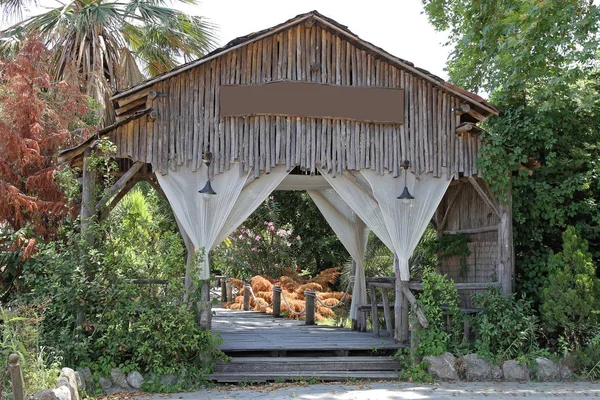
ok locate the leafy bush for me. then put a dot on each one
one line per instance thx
(438, 299)
(258, 248)
(506, 327)
(20, 326)
(571, 298)
(585, 361)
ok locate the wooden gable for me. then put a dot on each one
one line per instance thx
(170, 121)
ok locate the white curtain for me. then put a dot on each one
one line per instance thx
(406, 223)
(398, 225)
(360, 201)
(208, 221)
(254, 193)
(202, 217)
(353, 234)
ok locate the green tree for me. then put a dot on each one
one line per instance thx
(98, 43)
(321, 249)
(571, 299)
(538, 61)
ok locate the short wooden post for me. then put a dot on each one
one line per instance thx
(309, 295)
(224, 298)
(16, 377)
(247, 289)
(229, 289)
(386, 312)
(374, 314)
(276, 301)
(204, 305)
(414, 338)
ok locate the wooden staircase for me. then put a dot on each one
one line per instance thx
(263, 369)
(266, 349)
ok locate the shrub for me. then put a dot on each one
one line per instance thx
(439, 298)
(21, 335)
(571, 298)
(505, 327)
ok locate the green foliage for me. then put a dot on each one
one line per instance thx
(321, 248)
(571, 298)
(96, 314)
(539, 63)
(585, 361)
(447, 246)
(411, 369)
(20, 326)
(439, 298)
(506, 327)
(262, 246)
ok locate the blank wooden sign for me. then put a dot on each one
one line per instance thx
(304, 99)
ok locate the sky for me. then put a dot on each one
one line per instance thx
(397, 26)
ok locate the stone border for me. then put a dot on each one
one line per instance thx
(473, 368)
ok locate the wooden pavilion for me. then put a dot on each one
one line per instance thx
(310, 95)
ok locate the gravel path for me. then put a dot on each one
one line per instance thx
(395, 391)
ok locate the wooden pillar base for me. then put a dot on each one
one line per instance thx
(205, 306)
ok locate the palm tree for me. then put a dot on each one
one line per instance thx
(100, 44)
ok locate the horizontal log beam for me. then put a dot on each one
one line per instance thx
(484, 229)
(459, 286)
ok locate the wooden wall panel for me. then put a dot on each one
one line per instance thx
(189, 121)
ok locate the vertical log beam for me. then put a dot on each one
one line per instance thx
(204, 306)
(374, 317)
(401, 307)
(229, 289)
(16, 377)
(223, 284)
(276, 302)
(506, 266)
(309, 295)
(247, 297)
(88, 197)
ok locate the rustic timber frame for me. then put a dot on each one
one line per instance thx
(170, 121)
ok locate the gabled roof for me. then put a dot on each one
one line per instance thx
(343, 30)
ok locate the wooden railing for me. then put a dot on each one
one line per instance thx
(384, 284)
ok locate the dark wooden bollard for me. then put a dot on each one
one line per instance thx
(247, 297)
(229, 290)
(16, 377)
(309, 295)
(224, 298)
(276, 301)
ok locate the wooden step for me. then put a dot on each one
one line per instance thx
(307, 365)
(237, 377)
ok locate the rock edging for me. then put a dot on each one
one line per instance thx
(473, 368)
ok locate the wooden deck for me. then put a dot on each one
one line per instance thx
(263, 348)
(252, 332)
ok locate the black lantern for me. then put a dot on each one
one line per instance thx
(207, 190)
(406, 197)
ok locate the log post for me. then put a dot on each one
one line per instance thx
(224, 298)
(229, 289)
(505, 245)
(276, 301)
(374, 316)
(414, 338)
(88, 203)
(16, 377)
(204, 305)
(401, 307)
(88, 197)
(247, 289)
(309, 295)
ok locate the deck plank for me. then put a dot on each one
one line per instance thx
(255, 331)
